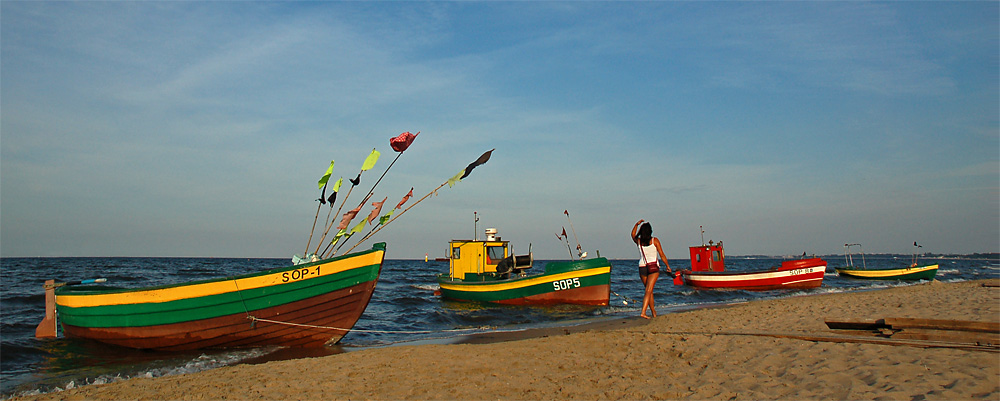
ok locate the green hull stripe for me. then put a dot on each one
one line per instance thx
(515, 293)
(192, 309)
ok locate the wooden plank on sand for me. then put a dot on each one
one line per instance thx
(855, 324)
(938, 324)
(966, 337)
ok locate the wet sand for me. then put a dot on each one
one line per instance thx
(773, 349)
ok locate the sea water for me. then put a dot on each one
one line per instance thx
(403, 310)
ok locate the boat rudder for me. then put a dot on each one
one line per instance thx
(47, 327)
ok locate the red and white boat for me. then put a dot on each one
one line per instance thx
(708, 271)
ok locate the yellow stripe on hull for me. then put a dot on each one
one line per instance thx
(488, 287)
(879, 273)
(175, 293)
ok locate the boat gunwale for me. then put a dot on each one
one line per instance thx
(446, 277)
(103, 290)
(914, 269)
(747, 273)
(926, 272)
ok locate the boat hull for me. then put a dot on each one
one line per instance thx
(909, 273)
(585, 282)
(796, 274)
(304, 305)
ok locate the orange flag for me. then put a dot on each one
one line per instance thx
(405, 198)
(344, 222)
(378, 209)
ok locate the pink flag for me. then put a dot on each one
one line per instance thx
(403, 141)
(348, 217)
(405, 198)
(376, 211)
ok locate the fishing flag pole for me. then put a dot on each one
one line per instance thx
(345, 221)
(579, 249)
(383, 219)
(322, 185)
(399, 144)
(368, 164)
(566, 237)
(450, 183)
(915, 246)
(376, 209)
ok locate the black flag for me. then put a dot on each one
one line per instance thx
(481, 160)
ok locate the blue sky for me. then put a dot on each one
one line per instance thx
(200, 129)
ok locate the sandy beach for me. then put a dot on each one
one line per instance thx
(773, 349)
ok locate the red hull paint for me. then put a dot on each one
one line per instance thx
(339, 309)
(594, 295)
(796, 274)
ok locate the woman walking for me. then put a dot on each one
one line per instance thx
(649, 269)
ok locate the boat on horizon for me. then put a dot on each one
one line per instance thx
(912, 272)
(488, 271)
(708, 271)
(304, 305)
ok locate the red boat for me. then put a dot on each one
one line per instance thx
(708, 271)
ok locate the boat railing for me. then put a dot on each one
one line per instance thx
(849, 258)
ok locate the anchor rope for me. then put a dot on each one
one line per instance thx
(624, 298)
(242, 301)
(257, 319)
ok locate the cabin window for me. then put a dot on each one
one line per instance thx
(455, 254)
(495, 254)
(697, 257)
(716, 256)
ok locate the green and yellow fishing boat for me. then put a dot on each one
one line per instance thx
(912, 272)
(487, 271)
(926, 272)
(309, 304)
(314, 301)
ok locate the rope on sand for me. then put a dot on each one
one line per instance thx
(257, 319)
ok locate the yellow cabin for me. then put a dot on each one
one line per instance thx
(476, 257)
(477, 260)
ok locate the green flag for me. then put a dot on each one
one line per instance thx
(385, 218)
(326, 177)
(454, 180)
(370, 161)
(337, 237)
(361, 226)
(336, 186)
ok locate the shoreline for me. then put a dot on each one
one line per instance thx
(765, 349)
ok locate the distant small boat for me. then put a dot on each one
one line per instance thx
(908, 273)
(487, 271)
(913, 272)
(303, 305)
(708, 272)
